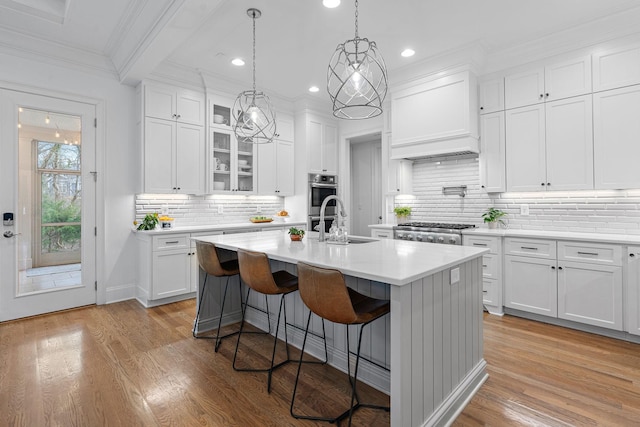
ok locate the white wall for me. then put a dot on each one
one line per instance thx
(120, 156)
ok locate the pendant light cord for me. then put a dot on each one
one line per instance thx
(356, 19)
(254, 52)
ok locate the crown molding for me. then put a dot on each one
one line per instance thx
(22, 45)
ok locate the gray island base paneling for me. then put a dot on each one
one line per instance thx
(431, 343)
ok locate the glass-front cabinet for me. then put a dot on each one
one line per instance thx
(231, 163)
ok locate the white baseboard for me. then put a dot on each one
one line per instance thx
(120, 293)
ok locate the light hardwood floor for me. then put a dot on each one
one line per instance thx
(121, 364)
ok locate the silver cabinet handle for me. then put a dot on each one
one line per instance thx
(479, 244)
(588, 253)
(528, 247)
(173, 242)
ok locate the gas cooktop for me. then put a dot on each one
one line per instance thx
(436, 225)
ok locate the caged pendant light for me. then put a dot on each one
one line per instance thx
(357, 78)
(254, 118)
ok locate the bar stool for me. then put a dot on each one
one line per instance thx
(326, 294)
(255, 272)
(211, 264)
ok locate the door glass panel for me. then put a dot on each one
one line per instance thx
(50, 196)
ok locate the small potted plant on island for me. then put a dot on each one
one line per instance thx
(493, 216)
(402, 213)
(296, 234)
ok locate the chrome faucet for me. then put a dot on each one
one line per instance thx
(320, 226)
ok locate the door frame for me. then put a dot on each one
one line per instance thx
(344, 168)
(100, 147)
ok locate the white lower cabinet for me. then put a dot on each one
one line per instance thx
(577, 281)
(531, 285)
(590, 293)
(632, 299)
(168, 268)
(382, 233)
(491, 271)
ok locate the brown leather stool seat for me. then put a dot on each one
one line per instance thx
(255, 272)
(325, 292)
(210, 263)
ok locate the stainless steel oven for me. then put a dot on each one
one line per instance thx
(320, 187)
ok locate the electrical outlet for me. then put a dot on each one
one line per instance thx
(220, 209)
(455, 275)
(524, 210)
(259, 209)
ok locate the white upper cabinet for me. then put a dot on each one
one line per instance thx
(557, 81)
(492, 152)
(616, 68)
(322, 145)
(491, 96)
(616, 137)
(525, 149)
(526, 88)
(284, 128)
(171, 103)
(569, 144)
(276, 168)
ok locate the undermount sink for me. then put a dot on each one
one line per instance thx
(354, 241)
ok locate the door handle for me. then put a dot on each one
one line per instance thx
(9, 234)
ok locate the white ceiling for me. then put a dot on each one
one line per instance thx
(295, 38)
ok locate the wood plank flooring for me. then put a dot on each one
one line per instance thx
(122, 364)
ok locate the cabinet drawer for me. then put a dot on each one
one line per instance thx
(490, 264)
(594, 253)
(491, 243)
(382, 234)
(530, 247)
(490, 292)
(173, 241)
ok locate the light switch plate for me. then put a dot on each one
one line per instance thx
(259, 209)
(524, 210)
(220, 209)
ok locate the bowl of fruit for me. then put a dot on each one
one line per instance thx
(166, 222)
(282, 216)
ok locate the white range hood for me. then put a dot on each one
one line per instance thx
(435, 117)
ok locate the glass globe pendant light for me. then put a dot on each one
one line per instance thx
(357, 78)
(254, 118)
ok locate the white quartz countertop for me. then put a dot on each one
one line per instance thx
(224, 227)
(396, 262)
(623, 239)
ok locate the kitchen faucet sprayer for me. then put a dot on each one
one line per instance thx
(343, 213)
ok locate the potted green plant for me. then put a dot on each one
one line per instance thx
(148, 223)
(493, 216)
(402, 213)
(296, 234)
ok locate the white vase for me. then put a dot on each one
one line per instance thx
(492, 225)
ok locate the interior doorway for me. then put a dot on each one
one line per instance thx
(366, 183)
(48, 252)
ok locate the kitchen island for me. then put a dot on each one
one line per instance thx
(430, 345)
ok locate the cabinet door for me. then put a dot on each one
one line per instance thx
(492, 152)
(525, 149)
(400, 177)
(616, 68)
(526, 88)
(591, 294)
(491, 96)
(569, 144)
(219, 174)
(285, 128)
(160, 102)
(568, 78)
(267, 169)
(285, 171)
(190, 107)
(243, 174)
(171, 273)
(616, 132)
(159, 165)
(190, 159)
(530, 284)
(314, 145)
(632, 306)
(330, 149)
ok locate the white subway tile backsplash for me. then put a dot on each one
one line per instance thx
(607, 211)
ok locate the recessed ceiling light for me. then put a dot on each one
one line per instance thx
(238, 62)
(331, 3)
(314, 89)
(408, 52)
